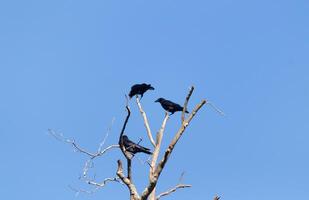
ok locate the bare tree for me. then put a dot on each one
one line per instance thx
(156, 166)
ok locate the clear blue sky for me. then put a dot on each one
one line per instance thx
(67, 64)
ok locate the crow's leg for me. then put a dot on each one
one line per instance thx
(172, 113)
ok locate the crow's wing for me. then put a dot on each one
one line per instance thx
(134, 90)
(135, 148)
(169, 105)
(140, 148)
(128, 143)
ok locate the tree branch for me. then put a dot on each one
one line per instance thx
(125, 121)
(129, 166)
(178, 186)
(172, 190)
(156, 152)
(186, 103)
(159, 138)
(133, 191)
(146, 122)
(123, 149)
(78, 191)
(60, 137)
(106, 149)
(89, 163)
(103, 183)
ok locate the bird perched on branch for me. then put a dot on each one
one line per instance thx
(140, 89)
(132, 147)
(170, 106)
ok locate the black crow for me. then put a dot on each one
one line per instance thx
(140, 89)
(132, 147)
(170, 106)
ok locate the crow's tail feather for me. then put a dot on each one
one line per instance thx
(145, 150)
(148, 152)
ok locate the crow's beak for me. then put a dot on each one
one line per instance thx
(151, 88)
(157, 100)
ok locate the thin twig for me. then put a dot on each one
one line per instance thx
(140, 140)
(172, 190)
(186, 103)
(78, 191)
(82, 150)
(60, 137)
(181, 177)
(104, 182)
(106, 149)
(89, 163)
(215, 108)
(178, 186)
(106, 135)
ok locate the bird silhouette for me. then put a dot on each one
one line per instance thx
(132, 147)
(140, 89)
(170, 106)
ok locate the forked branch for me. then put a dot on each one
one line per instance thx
(177, 137)
(185, 122)
(127, 180)
(133, 191)
(89, 163)
(179, 186)
(159, 138)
